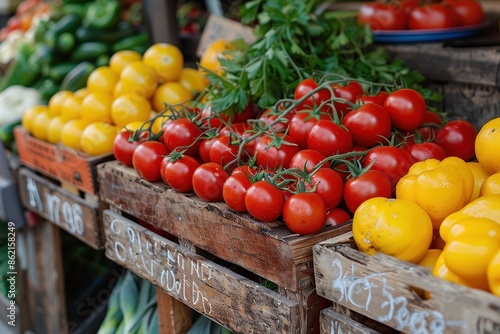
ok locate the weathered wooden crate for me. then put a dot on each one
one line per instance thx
(401, 295)
(267, 251)
(59, 162)
(77, 213)
(332, 322)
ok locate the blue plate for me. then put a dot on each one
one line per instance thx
(427, 35)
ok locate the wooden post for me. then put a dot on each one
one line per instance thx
(174, 316)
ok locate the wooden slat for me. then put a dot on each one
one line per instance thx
(232, 300)
(388, 290)
(268, 249)
(332, 322)
(174, 316)
(62, 208)
(45, 280)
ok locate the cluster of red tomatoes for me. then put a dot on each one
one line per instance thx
(311, 162)
(416, 14)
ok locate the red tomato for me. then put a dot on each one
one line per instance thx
(350, 92)
(369, 125)
(250, 112)
(208, 180)
(329, 186)
(371, 183)
(234, 191)
(377, 99)
(470, 12)
(123, 148)
(245, 169)
(308, 159)
(280, 123)
(382, 16)
(275, 156)
(211, 119)
(392, 161)
(431, 117)
(300, 124)
(457, 138)
(337, 216)
(305, 87)
(329, 138)
(426, 150)
(224, 153)
(304, 213)
(182, 134)
(236, 130)
(178, 174)
(433, 16)
(147, 159)
(204, 149)
(406, 108)
(264, 201)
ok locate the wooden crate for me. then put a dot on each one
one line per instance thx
(332, 322)
(79, 214)
(267, 251)
(59, 162)
(401, 295)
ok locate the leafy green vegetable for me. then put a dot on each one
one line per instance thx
(297, 39)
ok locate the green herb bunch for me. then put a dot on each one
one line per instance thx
(295, 40)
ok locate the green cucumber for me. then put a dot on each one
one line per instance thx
(65, 42)
(68, 23)
(129, 43)
(77, 77)
(87, 34)
(59, 71)
(89, 51)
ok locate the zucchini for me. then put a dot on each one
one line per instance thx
(77, 77)
(68, 23)
(59, 71)
(89, 51)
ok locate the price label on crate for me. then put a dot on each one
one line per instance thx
(62, 208)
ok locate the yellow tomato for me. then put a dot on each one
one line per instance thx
(30, 114)
(120, 59)
(483, 207)
(193, 81)
(166, 60)
(71, 133)
(479, 175)
(82, 92)
(96, 107)
(395, 227)
(211, 55)
(102, 79)
(132, 126)
(97, 138)
(56, 101)
(71, 108)
(118, 89)
(54, 130)
(40, 125)
(170, 93)
(491, 185)
(430, 258)
(493, 274)
(129, 108)
(139, 79)
(487, 144)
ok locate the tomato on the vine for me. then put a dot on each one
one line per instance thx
(147, 159)
(273, 156)
(369, 125)
(182, 134)
(123, 146)
(208, 180)
(394, 162)
(457, 138)
(178, 174)
(329, 138)
(378, 98)
(304, 88)
(234, 191)
(329, 186)
(406, 108)
(308, 159)
(300, 124)
(304, 213)
(426, 150)
(264, 201)
(337, 216)
(224, 152)
(369, 184)
(349, 92)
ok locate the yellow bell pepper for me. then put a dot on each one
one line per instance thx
(439, 187)
(494, 274)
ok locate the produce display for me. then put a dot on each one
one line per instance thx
(420, 15)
